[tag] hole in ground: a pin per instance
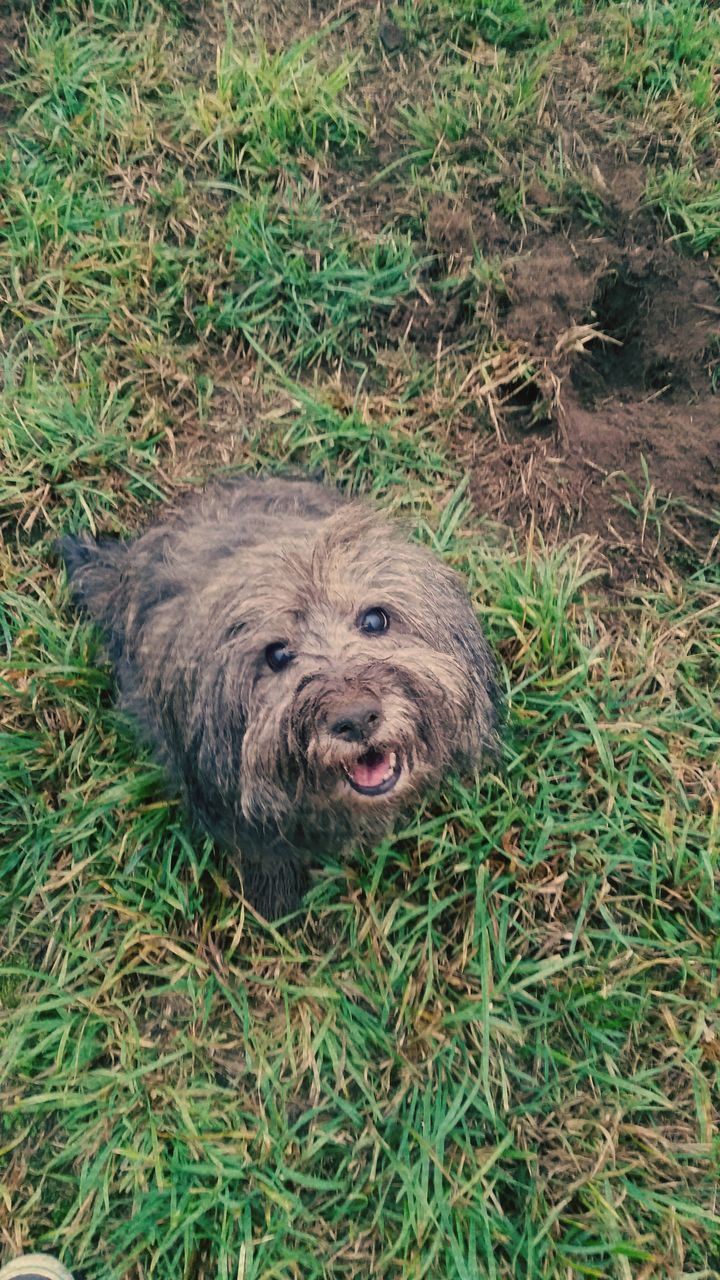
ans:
(527, 406)
(620, 309)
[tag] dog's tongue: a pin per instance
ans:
(371, 769)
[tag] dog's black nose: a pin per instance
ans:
(356, 722)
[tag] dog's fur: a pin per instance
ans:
(264, 758)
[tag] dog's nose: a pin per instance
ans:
(356, 722)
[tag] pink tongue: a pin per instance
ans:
(370, 774)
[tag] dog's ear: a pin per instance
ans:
(94, 569)
(75, 550)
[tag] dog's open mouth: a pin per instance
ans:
(374, 773)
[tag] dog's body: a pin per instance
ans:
(302, 671)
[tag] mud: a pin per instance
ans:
(630, 334)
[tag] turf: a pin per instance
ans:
(491, 1047)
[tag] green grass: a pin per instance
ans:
(489, 1048)
(295, 281)
(665, 47)
(265, 108)
(690, 210)
(507, 24)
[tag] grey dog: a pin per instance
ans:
(303, 671)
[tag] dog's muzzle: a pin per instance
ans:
(375, 770)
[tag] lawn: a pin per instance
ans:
(461, 257)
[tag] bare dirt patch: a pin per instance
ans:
(626, 336)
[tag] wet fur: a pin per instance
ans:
(188, 610)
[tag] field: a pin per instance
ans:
(461, 257)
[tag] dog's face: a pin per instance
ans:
(352, 674)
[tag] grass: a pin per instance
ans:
(266, 108)
(489, 1048)
(666, 47)
(296, 283)
(692, 212)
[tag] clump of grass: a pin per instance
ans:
(69, 449)
(690, 205)
(484, 108)
(363, 454)
(509, 24)
(84, 83)
(295, 281)
(661, 61)
(71, 261)
(663, 48)
(269, 108)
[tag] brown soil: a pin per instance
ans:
(623, 339)
(605, 390)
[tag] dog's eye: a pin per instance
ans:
(278, 656)
(373, 621)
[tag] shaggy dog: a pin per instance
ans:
(302, 671)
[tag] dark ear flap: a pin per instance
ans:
(94, 571)
(75, 551)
